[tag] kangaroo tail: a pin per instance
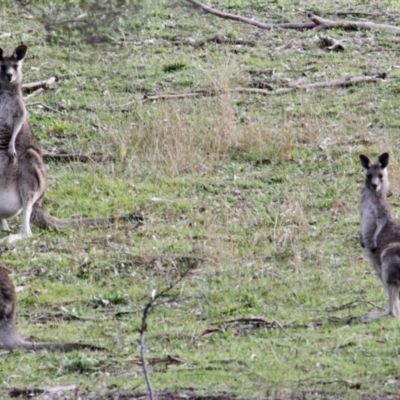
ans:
(42, 219)
(64, 347)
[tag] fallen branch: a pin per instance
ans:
(340, 82)
(159, 360)
(261, 323)
(38, 87)
(64, 156)
(226, 40)
(33, 392)
(255, 322)
(39, 104)
(261, 25)
(199, 93)
(33, 94)
(258, 321)
(309, 86)
(344, 13)
(321, 23)
(351, 304)
(39, 84)
(316, 22)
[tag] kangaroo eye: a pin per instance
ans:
(380, 176)
(15, 66)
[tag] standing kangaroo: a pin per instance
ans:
(22, 183)
(380, 233)
(23, 179)
(9, 335)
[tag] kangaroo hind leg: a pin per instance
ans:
(25, 230)
(390, 276)
(32, 185)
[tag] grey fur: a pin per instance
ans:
(23, 180)
(9, 335)
(380, 233)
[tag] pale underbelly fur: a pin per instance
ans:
(10, 198)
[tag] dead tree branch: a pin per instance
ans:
(309, 86)
(316, 22)
(160, 360)
(38, 87)
(64, 156)
(340, 82)
(39, 84)
(40, 104)
(261, 25)
(321, 23)
(33, 94)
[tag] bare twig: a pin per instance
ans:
(252, 321)
(344, 13)
(39, 84)
(33, 94)
(280, 326)
(160, 360)
(38, 87)
(40, 104)
(226, 40)
(199, 93)
(63, 156)
(146, 312)
(309, 86)
(351, 304)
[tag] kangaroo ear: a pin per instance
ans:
(20, 52)
(383, 160)
(1, 54)
(364, 161)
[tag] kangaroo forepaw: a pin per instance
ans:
(12, 154)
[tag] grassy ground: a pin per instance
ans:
(257, 195)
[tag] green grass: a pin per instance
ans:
(261, 192)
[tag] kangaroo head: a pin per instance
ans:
(376, 175)
(11, 67)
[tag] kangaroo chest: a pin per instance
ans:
(10, 198)
(369, 213)
(11, 110)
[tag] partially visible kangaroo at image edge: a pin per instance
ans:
(380, 233)
(9, 334)
(23, 178)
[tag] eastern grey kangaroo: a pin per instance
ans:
(380, 233)
(9, 335)
(22, 184)
(23, 181)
